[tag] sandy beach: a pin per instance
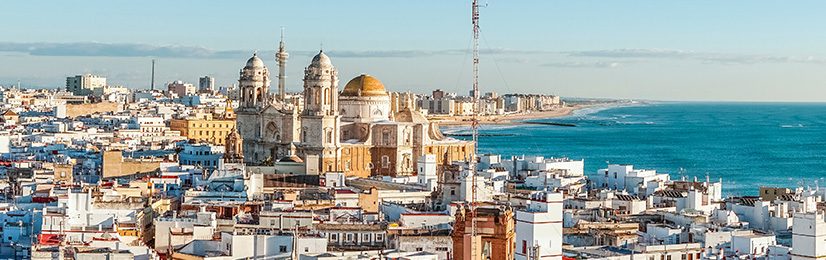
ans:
(505, 119)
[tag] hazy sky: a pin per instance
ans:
(666, 50)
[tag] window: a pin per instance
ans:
(379, 237)
(366, 237)
(282, 249)
(334, 237)
(441, 249)
(349, 237)
(385, 161)
(385, 137)
(419, 249)
(524, 247)
(306, 249)
(615, 175)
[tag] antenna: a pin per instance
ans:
(473, 202)
(152, 86)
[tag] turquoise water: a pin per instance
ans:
(748, 145)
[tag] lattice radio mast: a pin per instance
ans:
(475, 121)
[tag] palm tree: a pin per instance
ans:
(268, 161)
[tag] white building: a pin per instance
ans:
(625, 177)
(808, 236)
(203, 154)
(427, 175)
(753, 244)
(84, 85)
(539, 228)
(148, 126)
(524, 165)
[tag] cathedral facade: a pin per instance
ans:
(353, 130)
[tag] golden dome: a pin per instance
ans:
(364, 86)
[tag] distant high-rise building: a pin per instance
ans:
(180, 88)
(206, 83)
(472, 93)
(84, 85)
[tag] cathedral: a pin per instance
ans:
(351, 131)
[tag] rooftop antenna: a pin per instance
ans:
(281, 57)
(152, 86)
(475, 124)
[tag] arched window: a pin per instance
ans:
(385, 161)
(385, 137)
(327, 96)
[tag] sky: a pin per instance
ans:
(659, 50)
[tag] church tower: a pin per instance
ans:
(254, 89)
(320, 121)
(233, 151)
(254, 84)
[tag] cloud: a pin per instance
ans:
(97, 49)
(704, 57)
(383, 54)
(582, 64)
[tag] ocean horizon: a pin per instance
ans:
(746, 144)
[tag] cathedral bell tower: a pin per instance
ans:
(320, 121)
(254, 89)
(254, 85)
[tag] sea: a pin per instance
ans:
(746, 145)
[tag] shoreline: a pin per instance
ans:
(510, 119)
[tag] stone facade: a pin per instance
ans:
(353, 131)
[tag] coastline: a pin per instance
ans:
(509, 119)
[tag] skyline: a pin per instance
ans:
(663, 51)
